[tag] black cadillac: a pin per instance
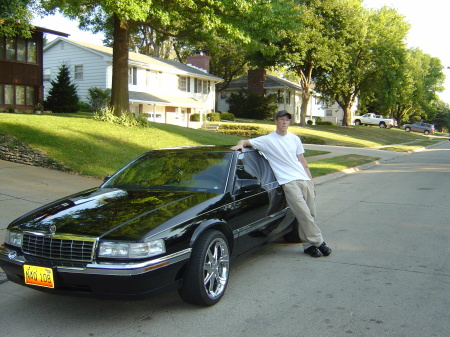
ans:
(169, 219)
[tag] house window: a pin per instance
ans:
(47, 74)
(29, 99)
(206, 87)
(32, 51)
(132, 75)
(9, 94)
(17, 94)
(279, 97)
(328, 113)
(288, 97)
(18, 49)
(10, 49)
(21, 50)
(78, 72)
(182, 83)
(201, 86)
(20, 94)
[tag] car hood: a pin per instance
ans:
(114, 213)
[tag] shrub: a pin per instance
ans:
(214, 117)
(246, 131)
(98, 98)
(227, 116)
(312, 140)
(126, 119)
(324, 122)
(309, 122)
(85, 107)
(195, 117)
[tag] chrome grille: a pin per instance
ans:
(59, 249)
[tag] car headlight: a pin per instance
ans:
(123, 250)
(13, 238)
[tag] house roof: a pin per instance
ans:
(151, 62)
(164, 99)
(50, 31)
(270, 82)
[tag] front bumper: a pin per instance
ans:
(104, 280)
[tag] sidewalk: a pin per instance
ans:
(336, 151)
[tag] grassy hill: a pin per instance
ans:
(95, 148)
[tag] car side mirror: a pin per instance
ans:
(248, 185)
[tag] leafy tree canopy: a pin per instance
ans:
(15, 18)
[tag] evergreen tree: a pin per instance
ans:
(62, 96)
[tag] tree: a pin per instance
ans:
(367, 38)
(62, 96)
(406, 87)
(15, 18)
(247, 104)
(240, 19)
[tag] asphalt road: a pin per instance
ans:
(388, 275)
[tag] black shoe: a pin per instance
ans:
(313, 251)
(324, 249)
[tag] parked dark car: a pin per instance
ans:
(169, 219)
(426, 128)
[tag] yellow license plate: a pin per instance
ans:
(38, 276)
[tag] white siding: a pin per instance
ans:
(93, 67)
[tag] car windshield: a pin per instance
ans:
(175, 170)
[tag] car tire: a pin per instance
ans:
(426, 132)
(207, 272)
(293, 236)
(407, 129)
(357, 122)
(382, 125)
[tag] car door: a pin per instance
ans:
(259, 199)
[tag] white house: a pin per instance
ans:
(165, 91)
(289, 96)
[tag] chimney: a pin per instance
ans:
(200, 60)
(256, 79)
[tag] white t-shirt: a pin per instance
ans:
(281, 152)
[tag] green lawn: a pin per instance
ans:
(95, 148)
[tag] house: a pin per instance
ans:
(163, 90)
(21, 70)
(289, 96)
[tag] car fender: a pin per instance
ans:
(218, 224)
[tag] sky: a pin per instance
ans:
(428, 19)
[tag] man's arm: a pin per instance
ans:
(241, 145)
(304, 163)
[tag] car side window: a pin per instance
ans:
(252, 165)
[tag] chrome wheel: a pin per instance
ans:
(206, 275)
(215, 268)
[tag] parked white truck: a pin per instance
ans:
(372, 119)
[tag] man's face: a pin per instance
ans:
(282, 123)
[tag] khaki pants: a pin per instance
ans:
(300, 198)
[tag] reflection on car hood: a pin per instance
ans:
(115, 213)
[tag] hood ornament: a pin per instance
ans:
(52, 229)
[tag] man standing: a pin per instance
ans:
(284, 151)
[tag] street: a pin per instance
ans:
(388, 275)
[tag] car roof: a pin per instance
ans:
(203, 148)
